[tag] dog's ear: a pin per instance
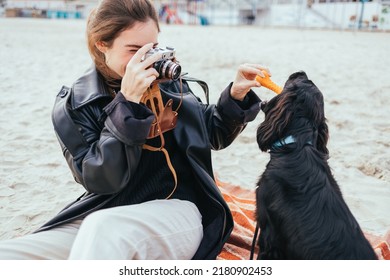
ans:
(278, 114)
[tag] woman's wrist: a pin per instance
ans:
(237, 95)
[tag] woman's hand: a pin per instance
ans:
(139, 75)
(245, 80)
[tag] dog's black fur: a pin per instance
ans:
(300, 209)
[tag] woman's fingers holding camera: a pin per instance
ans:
(140, 54)
(134, 84)
(143, 58)
(150, 58)
(151, 73)
(149, 80)
(141, 79)
(138, 74)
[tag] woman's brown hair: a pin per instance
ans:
(108, 20)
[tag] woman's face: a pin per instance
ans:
(128, 43)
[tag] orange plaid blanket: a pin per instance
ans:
(242, 204)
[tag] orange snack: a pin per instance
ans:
(268, 83)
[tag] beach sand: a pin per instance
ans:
(352, 69)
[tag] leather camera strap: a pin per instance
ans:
(165, 120)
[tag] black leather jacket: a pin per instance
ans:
(113, 131)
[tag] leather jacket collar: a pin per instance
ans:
(89, 87)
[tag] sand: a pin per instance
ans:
(351, 68)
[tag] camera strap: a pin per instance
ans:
(165, 119)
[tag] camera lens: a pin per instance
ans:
(168, 69)
(174, 71)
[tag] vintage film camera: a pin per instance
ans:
(166, 66)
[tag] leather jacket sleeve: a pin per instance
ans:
(115, 145)
(230, 117)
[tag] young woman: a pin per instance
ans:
(148, 196)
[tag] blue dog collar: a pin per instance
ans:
(288, 140)
(280, 143)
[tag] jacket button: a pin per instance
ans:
(63, 93)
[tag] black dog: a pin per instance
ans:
(300, 209)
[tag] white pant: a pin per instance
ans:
(159, 229)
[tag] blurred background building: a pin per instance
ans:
(72, 9)
(326, 14)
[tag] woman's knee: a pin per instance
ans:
(97, 222)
